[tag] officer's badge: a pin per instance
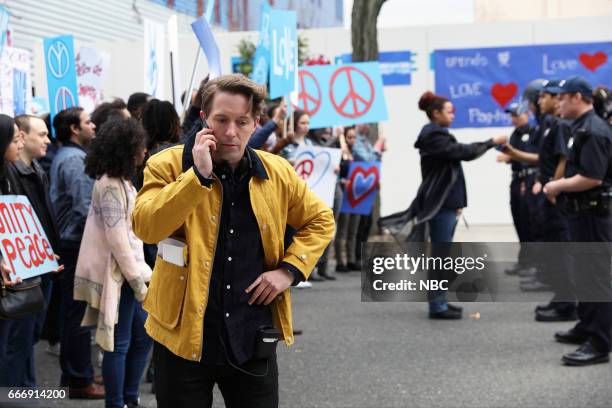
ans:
(525, 137)
(570, 143)
(546, 132)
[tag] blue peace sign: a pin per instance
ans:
(58, 59)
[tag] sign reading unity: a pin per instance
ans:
(317, 166)
(24, 244)
(481, 82)
(16, 82)
(61, 73)
(341, 94)
(361, 189)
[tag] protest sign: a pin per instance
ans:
(481, 82)
(91, 67)
(24, 244)
(154, 58)
(341, 94)
(16, 82)
(362, 187)
(317, 165)
(61, 73)
(283, 52)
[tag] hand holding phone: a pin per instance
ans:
(205, 144)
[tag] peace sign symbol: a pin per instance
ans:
(64, 99)
(355, 79)
(58, 60)
(304, 97)
(304, 168)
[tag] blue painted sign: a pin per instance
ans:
(202, 30)
(361, 189)
(23, 242)
(482, 82)
(261, 60)
(396, 67)
(283, 52)
(341, 94)
(4, 20)
(61, 73)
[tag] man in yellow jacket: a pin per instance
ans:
(221, 286)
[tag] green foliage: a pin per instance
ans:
(246, 49)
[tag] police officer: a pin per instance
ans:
(523, 132)
(529, 155)
(586, 186)
(552, 159)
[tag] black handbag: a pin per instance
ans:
(22, 299)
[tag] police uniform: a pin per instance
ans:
(590, 220)
(555, 227)
(518, 203)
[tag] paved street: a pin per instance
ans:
(355, 354)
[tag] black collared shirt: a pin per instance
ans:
(553, 146)
(589, 148)
(519, 139)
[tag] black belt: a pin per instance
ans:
(521, 174)
(601, 201)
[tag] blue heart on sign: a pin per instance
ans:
(321, 160)
(363, 185)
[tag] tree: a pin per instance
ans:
(364, 35)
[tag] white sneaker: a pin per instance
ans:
(304, 285)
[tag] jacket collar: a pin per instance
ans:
(257, 167)
(25, 170)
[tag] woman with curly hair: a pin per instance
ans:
(111, 271)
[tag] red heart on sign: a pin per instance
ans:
(503, 93)
(592, 62)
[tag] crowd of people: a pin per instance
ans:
(217, 180)
(83, 180)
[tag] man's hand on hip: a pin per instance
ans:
(205, 143)
(268, 285)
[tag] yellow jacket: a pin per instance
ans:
(173, 203)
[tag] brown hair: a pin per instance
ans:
(431, 102)
(234, 84)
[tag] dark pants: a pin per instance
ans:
(363, 233)
(520, 216)
(75, 348)
(17, 368)
(534, 228)
(123, 368)
(555, 270)
(181, 383)
(441, 230)
(51, 328)
(592, 271)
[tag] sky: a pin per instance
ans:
(401, 13)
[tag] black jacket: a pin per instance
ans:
(443, 184)
(32, 182)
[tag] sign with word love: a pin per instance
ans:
(283, 52)
(61, 73)
(91, 66)
(344, 94)
(317, 166)
(24, 244)
(16, 82)
(481, 82)
(361, 188)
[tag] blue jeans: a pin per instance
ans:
(17, 340)
(123, 368)
(442, 229)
